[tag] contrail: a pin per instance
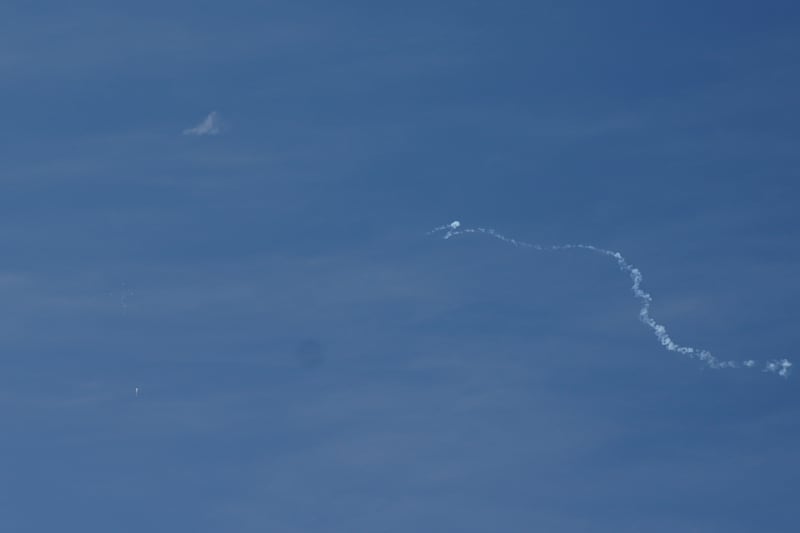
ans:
(779, 366)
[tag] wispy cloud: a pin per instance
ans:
(211, 125)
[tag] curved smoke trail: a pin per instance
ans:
(779, 366)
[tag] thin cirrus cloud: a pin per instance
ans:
(211, 125)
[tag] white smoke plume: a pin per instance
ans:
(211, 125)
(778, 366)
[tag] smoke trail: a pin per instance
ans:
(779, 366)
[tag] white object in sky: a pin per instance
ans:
(777, 366)
(211, 125)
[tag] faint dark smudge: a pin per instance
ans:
(309, 353)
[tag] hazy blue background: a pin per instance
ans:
(308, 359)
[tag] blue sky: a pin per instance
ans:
(307, 358)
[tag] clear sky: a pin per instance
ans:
(307, 358)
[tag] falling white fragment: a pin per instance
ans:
(454, 225)
(778, 366)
